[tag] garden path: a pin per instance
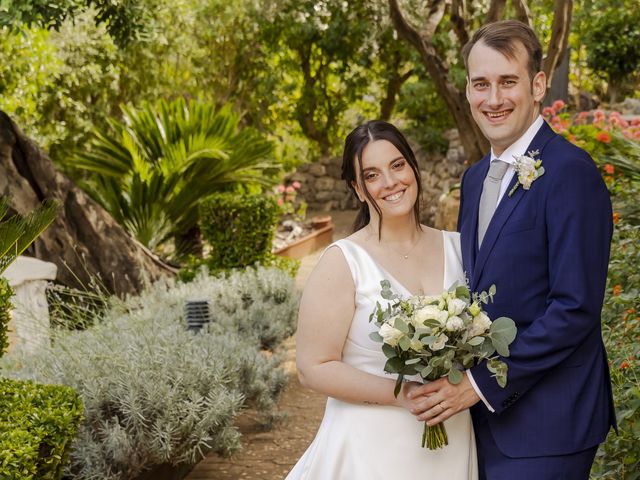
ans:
(269, 455)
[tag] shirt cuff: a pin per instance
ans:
(475, 387)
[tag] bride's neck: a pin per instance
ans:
(395, 230)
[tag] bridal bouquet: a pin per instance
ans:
(437, 335)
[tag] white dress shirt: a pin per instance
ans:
(517, 148)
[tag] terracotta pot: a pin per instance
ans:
(309, 243)
(320, 221)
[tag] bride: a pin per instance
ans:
(366, 432)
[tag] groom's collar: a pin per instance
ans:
(519, 147)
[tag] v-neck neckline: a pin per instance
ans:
(392, 277)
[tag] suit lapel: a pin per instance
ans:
(469, 229)
(505, 208)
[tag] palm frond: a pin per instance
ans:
(17, 233)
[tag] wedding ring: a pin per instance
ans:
(442, 409)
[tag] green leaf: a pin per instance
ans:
(475, 341)
(401, 325)
(398, 386)
(394, 365)
(404, 343)
(376, 337)
(455, 376)
(462, 292)
(413, 361)
(389, 351)
(504, 330)
(424, 373)
(501, 347)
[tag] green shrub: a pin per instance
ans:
(5, 307)
(238, 228)
(156, 393)
(37, 426)
(619, 457)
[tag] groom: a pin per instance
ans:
(545, 246)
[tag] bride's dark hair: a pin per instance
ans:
(354, 144)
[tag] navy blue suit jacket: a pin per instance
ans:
(547, 251)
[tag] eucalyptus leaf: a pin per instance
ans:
(424, 373)
(376, 337)
(504, 329)
(455, 376)
(413, 361)
(475, 341)
(462, 292)
(389, 351)
(401, 325)
(404, 343)
(501, 347)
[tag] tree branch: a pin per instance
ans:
(495, 10)
(522, 11)
(460, 22)
(560, 29)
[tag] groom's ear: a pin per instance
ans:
(466, 89)
(539, 86)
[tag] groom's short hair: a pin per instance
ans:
(502, 37)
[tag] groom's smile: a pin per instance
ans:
(504, 101)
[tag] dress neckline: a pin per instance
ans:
(392, 277)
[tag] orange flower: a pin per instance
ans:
(603, 137)
(609, 169)
(617, 289)
(624, 365)
(616, 217)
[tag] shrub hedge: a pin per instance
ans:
(5, 307)
(37, 426)
(238, 228)
(155, 393)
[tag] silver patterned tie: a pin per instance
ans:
(489, 197)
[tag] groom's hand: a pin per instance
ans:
(442, 400)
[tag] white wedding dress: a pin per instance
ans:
(370, 442)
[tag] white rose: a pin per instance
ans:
(439, 343)
(456, 306)
(481, 324)
(454, 324)
(527, 172)
(428, 312)
(389, 334)
(443, 316)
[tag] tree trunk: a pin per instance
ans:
(560, 29)
(83, 241)
(474, 142)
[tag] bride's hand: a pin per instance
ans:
(404, 400)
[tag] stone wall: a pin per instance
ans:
(323, 189)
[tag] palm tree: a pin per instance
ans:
(156, 165)
(17, 233)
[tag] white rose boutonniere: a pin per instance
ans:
(528, 169)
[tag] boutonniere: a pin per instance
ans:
(528, 169)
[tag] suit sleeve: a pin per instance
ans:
(578, 220)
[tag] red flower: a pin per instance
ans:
(624, 365)
(598, 115)
(616, 218)
(617, 289)
(558, 105)
(603, 137)
(548, 112)
(609, 169)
